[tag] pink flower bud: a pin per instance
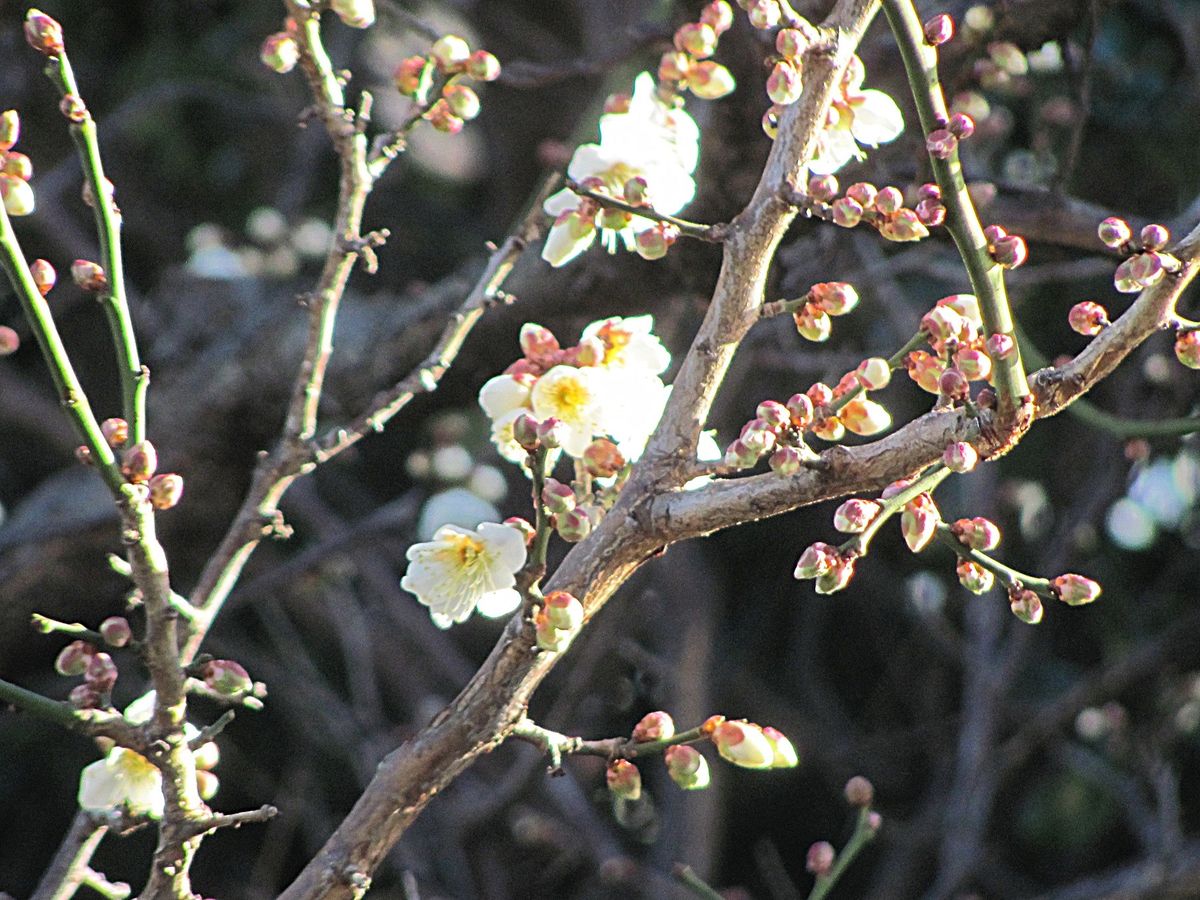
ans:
(139, 462)
(115, 431)
(89, 276)
(412, 76)
(939, 30)
(84, 696)
(823, 188)
(918, 524)
(800, 408)
(925, 369)
(525, 432)
(17, 165)
(564, 611)
(859, 792)
(101, 673)
(443, 119)
(1145, 268)
(977, 533)
(10, 341)
(224, 676)
(10, 128)
(786, 756)
(1001, 346)
(696, 38)
(549, 638)
(524, 526)
(960, 457)
(847, 212)
(166, 490)
(786, 461)
(279, 52)
(961, 126)
(483, 66)
(624, 779)
(941, 143)
(764, 14)
(974, 577)
(573, 526)
(740, 455)
(1075, 590)
(889, 200)
(602, 459)
(820, 858)
(1087, 318)
(463, 101)
(636, 191)
(930, 213)
(43, 33)
(653, 243)
(710, 80)
(834, 297)
(853, 516)
(904, 226)
(816, 560)
(73, 108)
(743, 744)
(1026, 606)
(1155, 237)
(354, 13)
(863, 193)
(953, 385)
(538, 343)
(16, 195)
(813, 323)
(829, 428)
(73, 659)
(687, 767)
(865, 417)
(1187, 349)
(654, 726)
(44, 275)
(874, 373)
(116, 631)
(718, 15)
(1010, 251)
(451, 53)
(558, 497)
(784, 85)
(1114, 232)
(974, 364)
(837, 578)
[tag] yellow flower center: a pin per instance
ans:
(465, 550)
(569, 395)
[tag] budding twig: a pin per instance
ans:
(714, 234)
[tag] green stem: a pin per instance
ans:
(1007, 576)
(687, 877)
(52, 626)
(987, 278)
(863, 834)
(95, 722)
(895, 363)
(712, 233)
(134, 378)
(70, 391)
(861, 542)
(541, 517)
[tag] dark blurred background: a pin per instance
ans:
(1059, 761)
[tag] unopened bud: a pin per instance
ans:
(834, 297)
(859, 792)
(115, 431)
(718, 15)
(412, 76)
(1154, 237)
(874, 373)
(44, 275)
(10, 341)
(636, 191)
(558, 497)
(961, 126)
(43, 33)
(847, 212)
(865, 417)
(813, 323)
(73, 659)
(101, 673)
(227, 677)
(84, 696)
(573, 526)
(139, 462)
(1010, 251)
(1075, 590)
(654, 726)
(974, 577)
(764, 14)
(854, 515)
(786, 756)
(1088, 318)
(1026, 606)
(1001, 346)
(207, 784)
(10, 128)
(549, 638)
(279, 52)
(525, 432)
(889, 200)
(930, 213)
(1114, 232)
(823, 187)
(116, 631)
(904, 226)
(653, 243)
(743, 744)
(790, 43)
(354, 13)
(17, 164)
(820, 858)
(602, 459)
(918, 524)
(960, 457)
(463, 101)
(17, 195)
(73, 108)
(88, 275)
(451, 53)
(483, 66)
(697, 39)
(710, 80)
(941, 143)
(974, 364)
(816, 560)
(838, 576)
(687, 767)
(165, 490)
(443, 119)
(784, 85)
(528, 532)
(1187, 349)
(786, 461)
(939, 30)
(624, 779)
(977, 533)
(564, 611)
(800, 408)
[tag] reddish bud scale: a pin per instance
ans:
(624, 779)
(43, 33)
(654, 726)
(88, 276)
(938, 30)
(800, 408)
(166, 490)
(73, 108)
(1187, 349)
(44, 275)
(1075, 590)
(1088, 318)
(115, 431)
(974, 577)
(1026, 606)
(139, 462)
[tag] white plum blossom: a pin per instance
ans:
(857, 116)
(652, 140)
(504, 394)
(630, 343)
(461, 571)
(581, 399)
(123, 779)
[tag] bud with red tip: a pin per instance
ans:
(1001, 346)
(838, 576)
(829, 428)
(743, 744)
(88, 275)
(687, 767)
(822, 188)
(674, 66)
(918, 524)
(960, 457)
(1075, 590)
(115, 431)
(941, 143)
(10, 128)
(904, 225)
(227, 677)
(44, 275)
(1187, 349)
(938, 30)
(961, 126)
(820, 858)
(834, 297)
(653, 243)
(710, 80)
(443, 119)
(483, 66)
(73, 108)
(573, 526)
(602, 459)
(1025, 605)
(786, 756)
(977, 533)
(784, 84)
(847, 212)
(816, 560)
(865, 417)
(624, 779)
(564, 611)
(1154, 237)
(698, 39)
(17, 165)
(412, 76)
(116, 631)
(522, 525)
(354, 13)
(889, 200)
(853, 516)
(73, 659)
(1010, 251)
(139, 462)
(786, 461)
(975, 365)
(10, 341)
(800, 408)
(718, 15)
(654, 726)
(1088, 318)
(101, 673)
(558, 497)
(1114, 232)
(166, 490)
(84, 696)
(874, 373)
(43, 33)
(279, 52)
(813, 323)
(974, 577)
(930, 213)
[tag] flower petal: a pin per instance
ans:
(877, 118)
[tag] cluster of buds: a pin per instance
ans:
(557, 621)
(881, 208)
(651, 243)
(139, 465)
(1146, 263)
(860, 794)
(687, 67)
(981, 535)
(572, 518)
(1004, 63)
(1007, 250)
(16, 169)
(942, 141)
(954, 329)
(828, 565)
(750, 746)
(449, 64)
(823, 301)
(97, 667)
